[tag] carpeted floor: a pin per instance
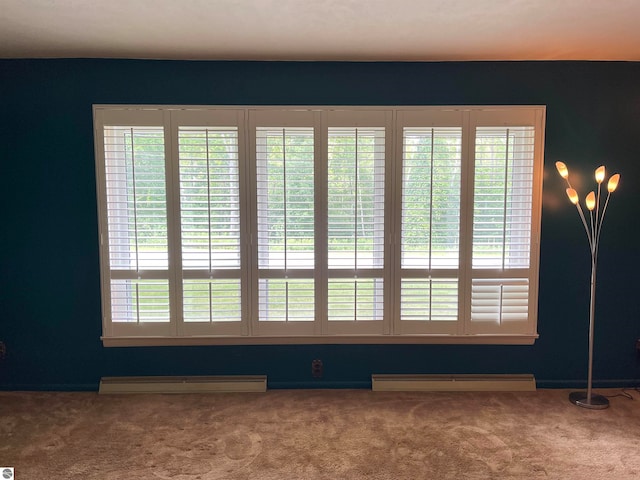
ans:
(318, 434)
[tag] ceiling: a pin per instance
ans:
(358, 30)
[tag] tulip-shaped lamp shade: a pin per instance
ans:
(613, 182)
(562, 170)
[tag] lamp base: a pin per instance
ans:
(597, 402)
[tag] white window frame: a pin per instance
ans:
(391, 329)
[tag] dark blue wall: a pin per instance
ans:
(49, 279)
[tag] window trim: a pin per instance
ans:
(122, 335)
(405, 339)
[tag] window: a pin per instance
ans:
(319, 224)
(209, 193)
(355, 231)
(429, 284)
(286, 234)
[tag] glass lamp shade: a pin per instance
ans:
(573, 195)
(562, 169)
(613, 182)
(600, 174)
(590, 201)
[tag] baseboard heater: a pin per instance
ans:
(188, 384)
(453, 383)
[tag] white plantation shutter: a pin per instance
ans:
(356, 164)
(139, 301)
(430, 227)
(136, 210)
(431, 169)
(286, 300)
(209, 198)
(429, 299)
(503, 189)
(285, 221)
(356, 197)
(136, 198)
(499, 301)
(502, 222)
(357, 299)
(212, 300)
(210, 223)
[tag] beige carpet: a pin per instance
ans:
(318, 434)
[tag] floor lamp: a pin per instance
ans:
(596, 216)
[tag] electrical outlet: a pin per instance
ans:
(317, 369)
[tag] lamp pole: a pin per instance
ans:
(588, 399)
(579, 398)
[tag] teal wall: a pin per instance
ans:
(49, 279)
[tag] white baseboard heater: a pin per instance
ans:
(188, 384)
(453, 383)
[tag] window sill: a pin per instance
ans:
(140, 341)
